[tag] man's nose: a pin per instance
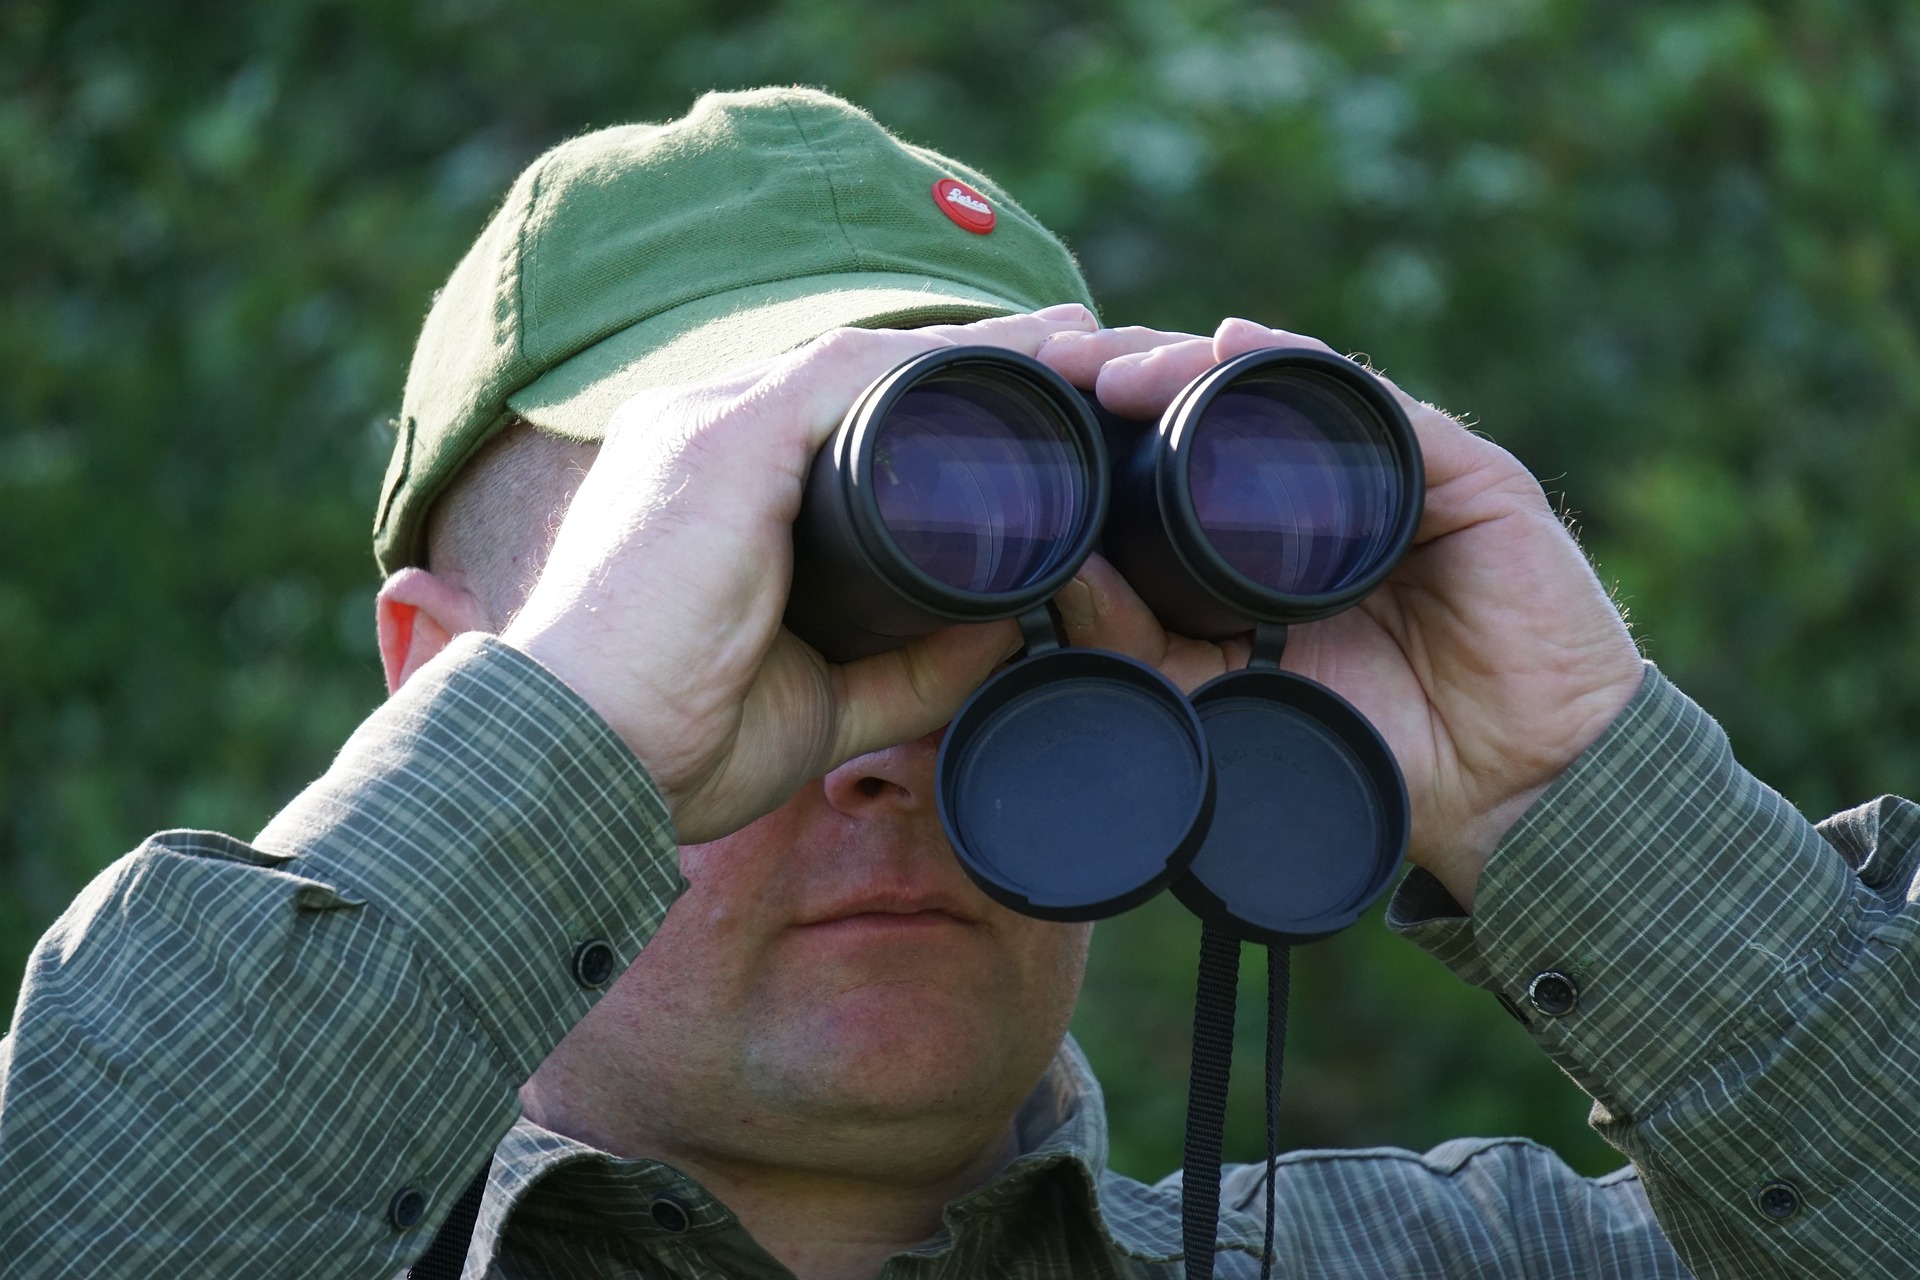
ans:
(898, 778)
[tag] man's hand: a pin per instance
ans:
(1489, 660)
(661, 601)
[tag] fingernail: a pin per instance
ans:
(1075, 603)
(1064, 311)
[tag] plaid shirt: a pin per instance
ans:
(237, 1060)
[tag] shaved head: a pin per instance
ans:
(492, 529)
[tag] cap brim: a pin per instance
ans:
(709, 337)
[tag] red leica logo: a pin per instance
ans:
(964, 205)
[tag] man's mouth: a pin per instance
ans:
(894, 911)
(883, 923)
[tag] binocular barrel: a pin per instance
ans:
(1279, 486)
(966, 485)
(970, 483)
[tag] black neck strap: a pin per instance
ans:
(1213, 1015)
(447, 1255)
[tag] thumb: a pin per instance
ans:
(906, 693)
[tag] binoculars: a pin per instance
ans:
(970, 483)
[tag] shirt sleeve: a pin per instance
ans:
(288, 1057)
(1734, 987)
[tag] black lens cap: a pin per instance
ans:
(1310, 817)
(1075, 784)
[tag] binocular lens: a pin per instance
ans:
(978, 482)
(966, 485)
(1294, 484)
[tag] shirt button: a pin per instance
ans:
(669, 1214)
(1778, 1199)
(1553, 993)
(408, 1206)
(593, 963)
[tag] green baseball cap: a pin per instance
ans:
(648, 255)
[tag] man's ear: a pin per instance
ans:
(419, 613)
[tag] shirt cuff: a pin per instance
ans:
(488, 809)
(1657, 910)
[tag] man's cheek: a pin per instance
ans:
(703, 944)
(728, 883)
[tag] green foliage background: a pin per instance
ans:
(1665, 252)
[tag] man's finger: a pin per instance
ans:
(813, 388)
(1078, 357)
(1142, 385)
(1025, 332)
(909, 692)
(1100, 611)
(1236, 337)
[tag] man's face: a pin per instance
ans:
(833, 984)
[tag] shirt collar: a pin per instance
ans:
(543, 1184)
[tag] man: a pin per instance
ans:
(822, 1052)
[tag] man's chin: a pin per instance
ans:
(892, 1049)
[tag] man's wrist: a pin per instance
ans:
(1658, 883)
(1459, 872)
(490, 812)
